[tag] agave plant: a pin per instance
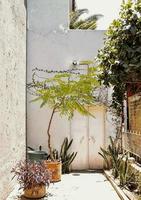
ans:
(65, 155)
(112, 155)
(76, 21)
(106, 156)
(121, 167)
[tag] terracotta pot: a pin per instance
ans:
(35, 192)
(55, 167)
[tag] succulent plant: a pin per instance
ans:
(65, 155)
(112, 157)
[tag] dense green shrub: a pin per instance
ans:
(120, 58)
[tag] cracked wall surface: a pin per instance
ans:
(12, 89)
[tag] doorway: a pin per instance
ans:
(88, 134)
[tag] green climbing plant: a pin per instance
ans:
(120, 58)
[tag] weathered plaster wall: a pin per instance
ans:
(12, 89)
(51, 45)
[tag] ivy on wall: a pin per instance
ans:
(120, 58)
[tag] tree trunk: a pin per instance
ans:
(49, 135)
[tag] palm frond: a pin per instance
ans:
(75, 16)
(76, 22)
(94, 17)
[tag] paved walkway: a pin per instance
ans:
(80, 186)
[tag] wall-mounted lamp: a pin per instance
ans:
(83, 62)
(75, 63)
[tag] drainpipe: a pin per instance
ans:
(104, 129)
(25, 4)
(73, 5)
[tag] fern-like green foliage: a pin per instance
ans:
(77, 23)
(66, 92)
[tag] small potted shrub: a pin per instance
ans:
(33, 178)
(64, 93)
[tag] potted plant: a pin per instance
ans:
(65, 93)
(33, 178)
(66, 156)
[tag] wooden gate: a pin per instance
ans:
(89, 135)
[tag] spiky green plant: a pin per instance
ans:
(121, 168)
(67, 157)
(106, 156)
(114, 150)
(76, 22)
(123, 171)
(127, 175)
(112, 154)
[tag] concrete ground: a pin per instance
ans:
(78, 186)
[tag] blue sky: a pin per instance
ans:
(109, 8)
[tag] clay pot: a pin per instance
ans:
(55, 167)
(35, 192)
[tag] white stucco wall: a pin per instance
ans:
(12, 89)
(51, 45)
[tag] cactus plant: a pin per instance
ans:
(123, 171)
(127, 176)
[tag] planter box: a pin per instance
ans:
(122, 193)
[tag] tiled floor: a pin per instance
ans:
(79, 186)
